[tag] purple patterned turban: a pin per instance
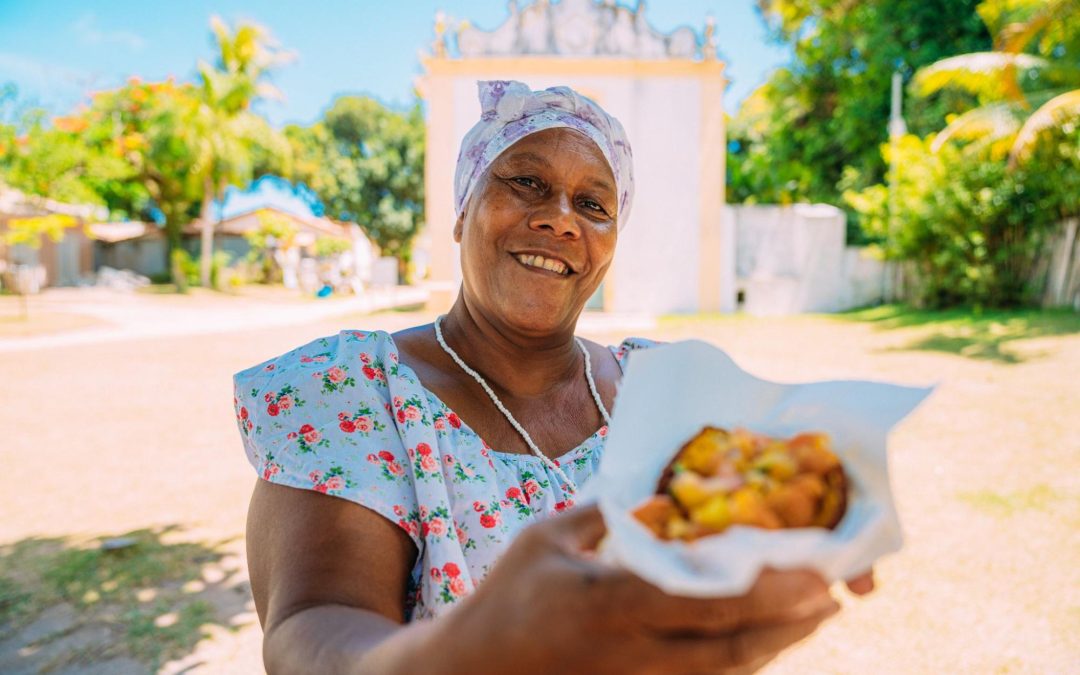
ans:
(512, 111)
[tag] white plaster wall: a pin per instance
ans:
(657, 267)
(865, 279)
(793, 259)
(656, 263)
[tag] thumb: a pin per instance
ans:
(580, 528)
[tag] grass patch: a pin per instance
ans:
(1005, 504)
(160, 289)
(977, 334)
(150, 593)
(14, 601)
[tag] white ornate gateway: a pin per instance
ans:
(667, 91)
(579, 28)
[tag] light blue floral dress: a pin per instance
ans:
(342, 416)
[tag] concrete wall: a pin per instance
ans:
(792, 259)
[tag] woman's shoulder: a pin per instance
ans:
(332, 362)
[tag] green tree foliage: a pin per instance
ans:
(1029, 84)
(33, 231)
(148, 126)
(366, 162)
(52, 159)
(275, 231)
(972, 228)
(974, 205)
(828, 110)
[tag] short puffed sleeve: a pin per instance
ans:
(318, 418)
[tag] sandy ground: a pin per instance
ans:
(109, 437)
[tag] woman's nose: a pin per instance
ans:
(557, 217)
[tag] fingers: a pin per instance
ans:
(776, 596)
(580, 528)
(749, 648)
(862, 584)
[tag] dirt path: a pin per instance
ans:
(106, 438)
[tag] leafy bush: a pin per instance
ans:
(185, 270)
(219, 269)
(328, 247)
(971, 228)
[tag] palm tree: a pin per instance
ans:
(1021, 94)
(229, 132)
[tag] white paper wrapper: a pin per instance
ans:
(669, 393)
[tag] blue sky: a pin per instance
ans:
(57, 50)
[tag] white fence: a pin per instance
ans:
(1062, 268)
(792, 259)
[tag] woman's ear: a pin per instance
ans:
(458, 227)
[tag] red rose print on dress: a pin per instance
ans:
(521, 498)
(391, 469)
(409, 412)
(362, 421)
(491, 516)
(516, 498)
(332, 481)
(270, 467)
(282, 401)
(425, 465)
(335, 379)
(243, 417)
(452, 586)
(309, 438)
(375, 370)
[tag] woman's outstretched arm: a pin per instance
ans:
(329, 579)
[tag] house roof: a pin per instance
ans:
(269, 192)
(243, 223)
(111, 233)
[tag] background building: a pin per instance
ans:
(667, 91)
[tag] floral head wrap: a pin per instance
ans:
(512, 111)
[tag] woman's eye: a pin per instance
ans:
(525, 181)
(592, 206)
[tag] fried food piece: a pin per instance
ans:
(722, 478)
(656, 512)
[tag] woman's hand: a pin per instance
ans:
(548, 606)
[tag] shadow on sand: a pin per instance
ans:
(123, 604)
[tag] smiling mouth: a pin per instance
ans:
(539, 262)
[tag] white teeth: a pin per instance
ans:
(543, 263)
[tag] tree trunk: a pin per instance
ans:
(206, 217)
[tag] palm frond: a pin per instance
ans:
(1052, 113)
(986, 74)
(990, 122)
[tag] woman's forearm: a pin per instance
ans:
(336, 639)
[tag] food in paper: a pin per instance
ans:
(722, 478)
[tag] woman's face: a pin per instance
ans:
(539, 232)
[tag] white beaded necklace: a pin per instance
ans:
(571, 487)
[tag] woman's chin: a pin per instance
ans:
(539, 319)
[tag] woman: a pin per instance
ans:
(402, 429)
